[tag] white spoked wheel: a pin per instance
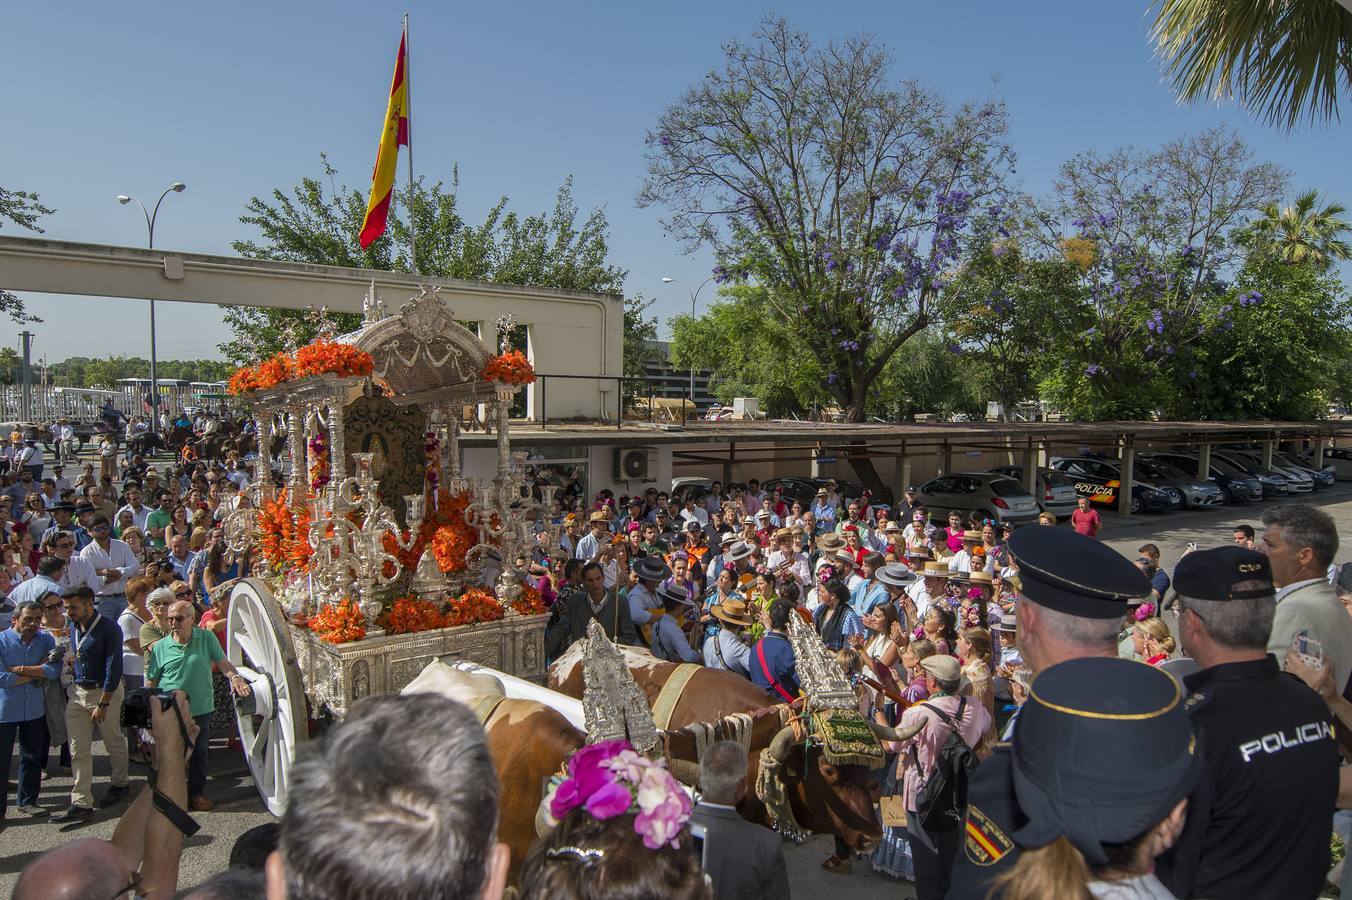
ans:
(272, 721)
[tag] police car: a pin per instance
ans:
(1101, 481)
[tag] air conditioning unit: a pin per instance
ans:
(635, 463)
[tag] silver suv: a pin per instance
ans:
(989, 495)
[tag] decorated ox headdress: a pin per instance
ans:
(612, 703)
(847, 738)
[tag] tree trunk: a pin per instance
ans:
(859, 459)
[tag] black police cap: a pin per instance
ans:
(1224, 573)
(1104, 751)
(1077, 575)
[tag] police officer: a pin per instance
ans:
(1258, 825)
(1103, 766)
(1073, 598)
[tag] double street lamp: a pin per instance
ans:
(666, 279)
(175, 188)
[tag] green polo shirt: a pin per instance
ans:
(157, 519)
(186, 667)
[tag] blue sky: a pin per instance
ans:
(238, 99)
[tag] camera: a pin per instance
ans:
(136, 706)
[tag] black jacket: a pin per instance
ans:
(576, 612)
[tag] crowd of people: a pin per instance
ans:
(106, 587)
(1116, 730)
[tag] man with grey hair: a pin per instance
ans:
(1300, 542)
(744, 860)
(1072, 601)
(1265, 741)
(400, 800)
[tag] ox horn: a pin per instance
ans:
(896, 735)
(780, 744)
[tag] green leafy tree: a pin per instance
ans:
(751, 353)
(1152, 234)
(1301, 234)
(318, 222)
(1284, 60)
(22, 209)
(844, 193)
(1273, 350)
(10, 361)
(930, 377)
(998, 310)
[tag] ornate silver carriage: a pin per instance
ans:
(370, 466)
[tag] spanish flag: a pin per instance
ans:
(393, 135)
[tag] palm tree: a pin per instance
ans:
(1303, 233)
(1282, 59)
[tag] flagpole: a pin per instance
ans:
(408, 113)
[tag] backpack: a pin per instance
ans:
(941, 802)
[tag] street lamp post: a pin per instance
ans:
(176, 188)
(666, 279)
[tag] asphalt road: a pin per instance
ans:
(238, 808)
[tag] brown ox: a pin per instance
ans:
(529, 742)
(826, 799)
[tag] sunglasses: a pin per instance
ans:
(182, 593)
(178, 618)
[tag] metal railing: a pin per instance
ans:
(629, 393)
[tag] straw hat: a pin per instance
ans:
(830, 542)
(934, 569)
(981, 577)
(598, 516)
(733, 611)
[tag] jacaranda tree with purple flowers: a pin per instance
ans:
(846, 195)
(1153, 236)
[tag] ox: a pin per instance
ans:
(825, 799)
(528, 741)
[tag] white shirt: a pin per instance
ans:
(79, 572)
(117, 556)
(695, 515)
(921, 596)
(130, 623)
(798, 566)
(137, 518)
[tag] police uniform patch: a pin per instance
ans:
(986, 844)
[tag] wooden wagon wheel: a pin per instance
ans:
(272, 722)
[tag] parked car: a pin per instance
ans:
(1196, 492)
(989, 495)
(804, 489)
(1055, 492)
(1239, 486)
(1100, 481)
(1298, 481)
(1274, 483)
(1339, 459)
(1322, 478)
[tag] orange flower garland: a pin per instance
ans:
(284, 540)
(511, 367)
(339, 623)
(530, 603)
(449, 546)
(323, 357)
(477, 605)
(409, 615)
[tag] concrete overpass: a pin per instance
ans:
(570, 332)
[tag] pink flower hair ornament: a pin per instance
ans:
(1144, 611)
(610, 779)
